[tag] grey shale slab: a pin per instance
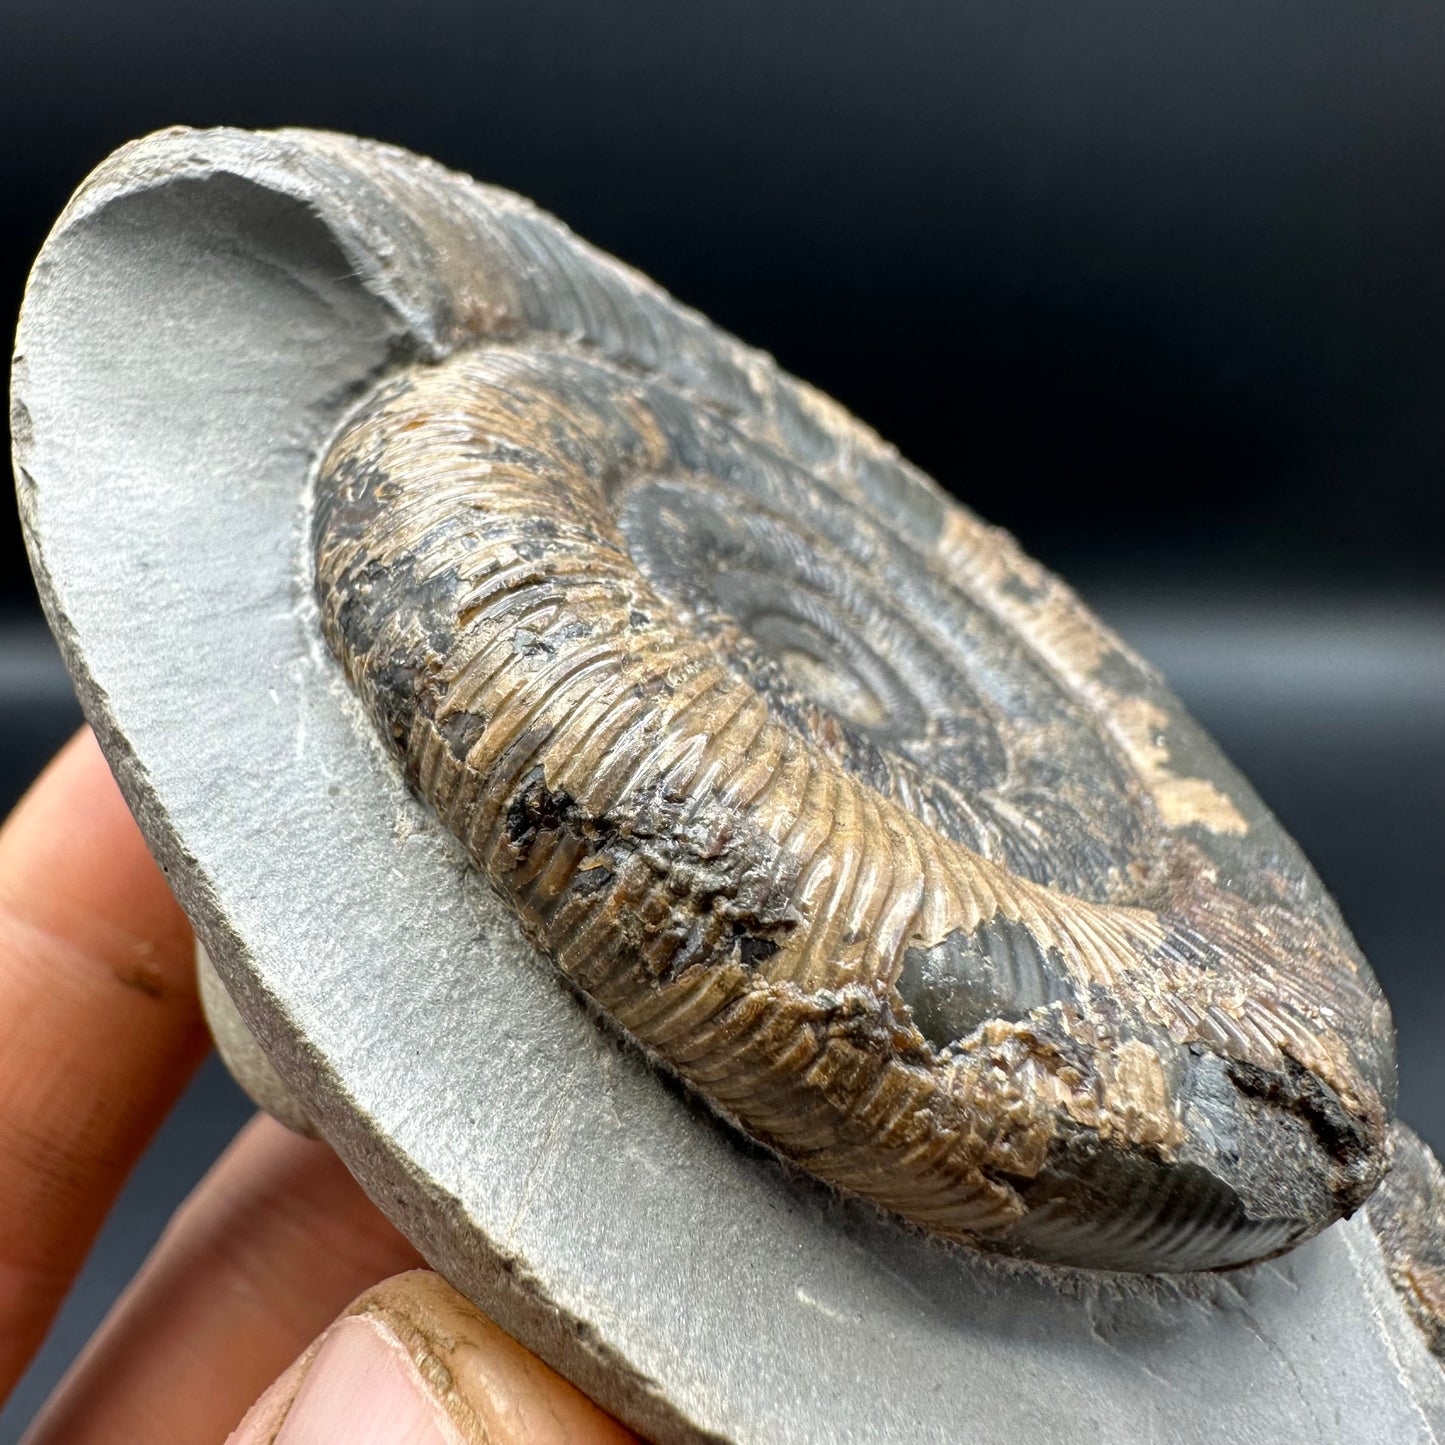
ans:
(195, 326)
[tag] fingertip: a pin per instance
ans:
(413, 1361)
(361, 1386)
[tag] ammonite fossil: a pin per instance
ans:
(849, 813)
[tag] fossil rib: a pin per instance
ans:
(845, 809)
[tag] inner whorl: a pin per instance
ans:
(878, 840)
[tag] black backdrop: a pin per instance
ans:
(1159, 286)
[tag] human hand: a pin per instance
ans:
(101, 1030)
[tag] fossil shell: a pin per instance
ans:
(848, 812)
(1407, 1214)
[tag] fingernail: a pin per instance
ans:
(363, 1388)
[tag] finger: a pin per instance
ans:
(272, 1243)
(413, 1363)
(101, 1028)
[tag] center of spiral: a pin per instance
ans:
(835, 690)
(881, 661)
(797, 600)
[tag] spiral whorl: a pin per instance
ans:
(883, 846)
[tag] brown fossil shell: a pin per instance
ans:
(1407, 1214)
(842, 807)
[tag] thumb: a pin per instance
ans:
(411, 1362)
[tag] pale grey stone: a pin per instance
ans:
(242, 1053)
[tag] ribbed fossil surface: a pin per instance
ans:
(1407, 1213)
(837, 803)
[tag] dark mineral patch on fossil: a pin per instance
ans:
(734, 908)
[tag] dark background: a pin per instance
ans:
(1161, 287)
